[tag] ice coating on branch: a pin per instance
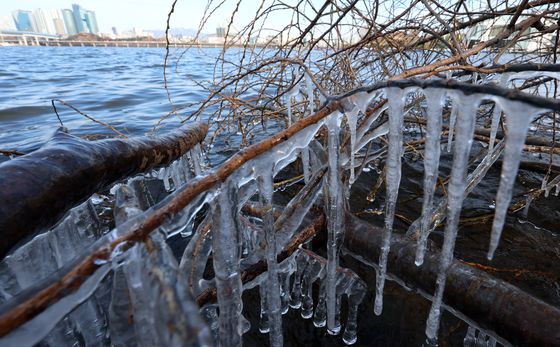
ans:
(335, 214)
(366, 124)
(42, 257)
(181, 223)
(32, 332)
(518, 117)
(431, 165)
(47, 252)
(196, 157)
(467, 106)
(395, 97)
(226, 244)
(273, 301)
(297, 209)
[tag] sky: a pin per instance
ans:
(144, 14)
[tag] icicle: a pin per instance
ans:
(296, 294)
(164, 175)
(210, 315)
(310, 93)
(120, 313)
(355, 296)
(431, 167)
(320, 315)
(306, 164)
(343, 282)
(289, 95)
(285, 291)
(264, 324)
(194, 259)
(518, 116)
(494, 127)
(452, 120)
(470, 338)
(226, 245)
(392, 179)
(289, 109)
(274, 302)
(335, 217)
(120, 322)
(352, 118)
(467, 106)
(196, 157)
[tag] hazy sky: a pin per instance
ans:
(144, 14)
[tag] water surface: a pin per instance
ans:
(120, 86)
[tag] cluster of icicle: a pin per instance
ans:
(229, 243)
(297, 274)
(518, 117)
(129, 300)
(148, 280)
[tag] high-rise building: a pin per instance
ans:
(23, 20)
(55, 25)
(85, 20)
(221, 31)
(59, 26)
(69, 22)
(6, 23)
(45, 21)
(91, 22)
(79, 18)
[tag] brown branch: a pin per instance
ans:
(318, 224)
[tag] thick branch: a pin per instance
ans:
(496, 305)
(37, 189)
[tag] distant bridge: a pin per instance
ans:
(24, 38)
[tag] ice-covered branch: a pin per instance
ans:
(37, 189)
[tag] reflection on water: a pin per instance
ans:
(120, 86)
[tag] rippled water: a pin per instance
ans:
(120, 86)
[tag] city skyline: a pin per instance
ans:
(56, 22)
(145, 14)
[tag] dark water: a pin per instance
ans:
(123, 87)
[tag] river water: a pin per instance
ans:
(123, 87)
